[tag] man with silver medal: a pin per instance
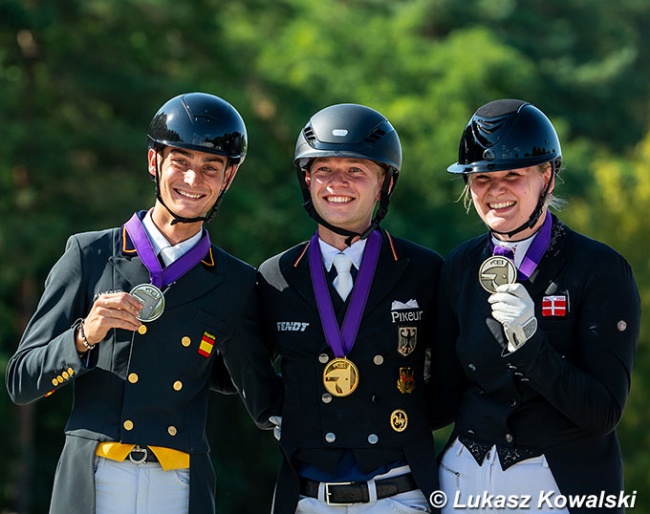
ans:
(349, 313)
(537, 332)
(139, 318)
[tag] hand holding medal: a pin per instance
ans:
(513, 307)
(511, 304)
(109, 311)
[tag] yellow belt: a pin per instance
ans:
(168, 458)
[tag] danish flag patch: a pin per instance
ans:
(554, 306)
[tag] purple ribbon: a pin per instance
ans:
(502, 251)
(342, 339)
(160, 276)
(535, 250)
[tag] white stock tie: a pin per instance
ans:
(343, 281)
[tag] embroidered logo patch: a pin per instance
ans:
(405, 312)
(291, 326)
(207, 343)
(407, 340)
(554, 306)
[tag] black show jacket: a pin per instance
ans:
(562, 392)
(317, 427)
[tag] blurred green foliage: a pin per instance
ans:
(80, 81)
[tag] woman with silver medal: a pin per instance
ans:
(537, 330)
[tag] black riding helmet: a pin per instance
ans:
(509, 134)
(352, 131)
(204, 123)
(506, 135)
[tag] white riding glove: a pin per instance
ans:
(513, 307)
(277, 429)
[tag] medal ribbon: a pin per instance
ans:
(342, 339)
(535, 250)
(160, 276)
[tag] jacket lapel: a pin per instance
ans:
(552, 262)
(197, 282)
(390, 269)
(126, 262)
(295, 269)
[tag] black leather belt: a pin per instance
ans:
(142, 454)
(347, 493)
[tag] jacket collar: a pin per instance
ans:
(128, 249)
(195, 283)
(390, 268)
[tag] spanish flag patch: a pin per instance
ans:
(207, 343)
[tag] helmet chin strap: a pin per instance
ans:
(534, 217)
(350, 235)
(180, 219)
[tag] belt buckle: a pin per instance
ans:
(138, 449)
(328, 493)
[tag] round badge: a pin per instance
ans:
(340, 377)
(496, 271)
(399, 420)
(153, 300)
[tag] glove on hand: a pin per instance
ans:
(277, 429)
(513, 307)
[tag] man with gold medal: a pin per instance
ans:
(350, 314)
(139, 318)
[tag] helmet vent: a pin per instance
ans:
(309, 134)
(375, 135)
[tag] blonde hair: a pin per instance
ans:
(551, 201)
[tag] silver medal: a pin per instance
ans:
(496, 271)
(153, 300)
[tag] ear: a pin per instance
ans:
(307, 178)
(549, 179)
(152, 161)
(390, 187)
(229, 176)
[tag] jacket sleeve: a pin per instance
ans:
(591, 386)
(47, 358)
(448, 380)
(250, 364)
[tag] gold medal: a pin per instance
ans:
(153, 300)
(496, 271)
(340, 377)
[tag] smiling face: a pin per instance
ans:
(505, 199)
(344, 192)
(189, 183)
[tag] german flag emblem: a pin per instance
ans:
(207, 343)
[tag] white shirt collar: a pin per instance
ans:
(519, 248)
(355, 252)
(160, 244)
